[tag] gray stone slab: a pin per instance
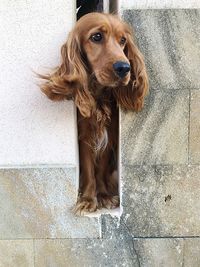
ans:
(85, 252)
(192, 252)
(194, 147)
(36, 203)
(170, 42)
(110, 252)
(160, 252)
(16, 253)
(158, 201)
(155, 4)
(158, 134)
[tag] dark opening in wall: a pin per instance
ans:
(88, 6)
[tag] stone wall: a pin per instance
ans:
(160, 158)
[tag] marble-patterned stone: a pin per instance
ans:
(159, 252)
(158, 201)
(155, 4)
(36, 203)
(170, 42)
(109, 252)
(194, 147)
(16, 253)
(85, 252)
(158, 134)
(192, 252)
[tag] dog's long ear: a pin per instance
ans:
(70, 79)
(132, 96)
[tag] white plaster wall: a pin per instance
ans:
(145, 4)
(33, 130)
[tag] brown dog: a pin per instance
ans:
(101, 68)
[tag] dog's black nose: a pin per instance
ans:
(121, 68)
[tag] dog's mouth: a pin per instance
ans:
(110, 79)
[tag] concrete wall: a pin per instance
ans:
(34, 131)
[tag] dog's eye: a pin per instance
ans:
(97, 37)
(123, 41)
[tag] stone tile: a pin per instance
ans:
(158, 134)
(109, 252)
(155, 4)
(36, 203)
(169, 40)
(16, 253)
(158, 201)
(159, 252)
(195, 127)
(85, 252)
(192, 252)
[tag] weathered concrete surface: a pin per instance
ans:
(169, 40)
(37, 203)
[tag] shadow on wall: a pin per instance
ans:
(88, 6)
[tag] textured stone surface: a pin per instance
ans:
(195, 127)
(159, 252)
(154, 4)
(160, 191)
(192, 252)
(16, 253)
(112, 252)
(169, 40)
(34, 130)
(158, 134)
(158, 201)
(37, 204)
(85, 252)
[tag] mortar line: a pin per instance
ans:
(97, 238)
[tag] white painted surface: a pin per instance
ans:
(33, 130)
(145, 4)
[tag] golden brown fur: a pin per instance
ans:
(86, 76)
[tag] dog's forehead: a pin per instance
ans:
(97, 21)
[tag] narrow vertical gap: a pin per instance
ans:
(84, 7)
(87, 6)
(113, 6)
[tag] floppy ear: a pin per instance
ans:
(70, 79)
(132, 96)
